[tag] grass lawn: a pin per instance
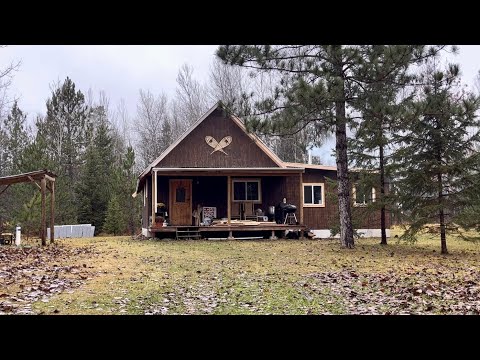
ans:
(118, 275)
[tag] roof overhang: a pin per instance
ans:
(310, 166)
(26, 177)
(256, 171)
(229, 171)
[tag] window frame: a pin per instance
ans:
(241, 180)
(362, 204)
(145, 193)
(312, 185)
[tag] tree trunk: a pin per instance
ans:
(382, 195)
(443, 235)
(346, 227)
(344, 206)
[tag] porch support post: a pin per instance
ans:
(273, 237)
(154, 195)
(43, 188)
(52, 211)
(301, 199)
(230, 236)
(229, 200)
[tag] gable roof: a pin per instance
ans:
(281, 164)
(234, 118)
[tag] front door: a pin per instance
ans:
(181, 202)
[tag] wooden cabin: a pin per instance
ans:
(217, 170)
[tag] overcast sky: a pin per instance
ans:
(122, 70)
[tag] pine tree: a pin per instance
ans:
(318, 87)
(16, 139)
(380, 106)
(113, 220)
(437, 162)
(66, 130)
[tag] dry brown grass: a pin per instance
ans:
(271, 277)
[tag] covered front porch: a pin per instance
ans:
(238, 202)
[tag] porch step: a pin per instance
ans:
(188, 232)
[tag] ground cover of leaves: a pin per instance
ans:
(120, 275)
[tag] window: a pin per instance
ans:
(313, 195)
(180, 195)
(246, 190)
(363, 194)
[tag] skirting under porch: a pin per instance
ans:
(270, 231)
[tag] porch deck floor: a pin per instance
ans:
(243, 228)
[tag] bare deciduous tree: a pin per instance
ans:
(122, 121)
(151, 114)
(6, 77)
(477, 82)
(191, 100)
(226, 83)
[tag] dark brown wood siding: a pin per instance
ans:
(324, 217)
(193, 151)
(272, 191)
(212, 191)
(321, 217)
(162, 190)
(147, 208)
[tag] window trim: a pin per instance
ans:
(257, 180)
(312, 185)
(145, 192)
(364, 204)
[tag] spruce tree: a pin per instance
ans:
(130, 206)
(386, 91)
(96, 182)
(437, 163)
(113, 220)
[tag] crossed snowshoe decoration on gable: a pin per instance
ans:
(218, 146)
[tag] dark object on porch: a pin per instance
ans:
(285, 213)
(271, 213)
(161, 212)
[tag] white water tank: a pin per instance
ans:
(17, 235)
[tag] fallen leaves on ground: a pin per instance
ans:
(155, 277)
(412, 292)
(35, 274)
